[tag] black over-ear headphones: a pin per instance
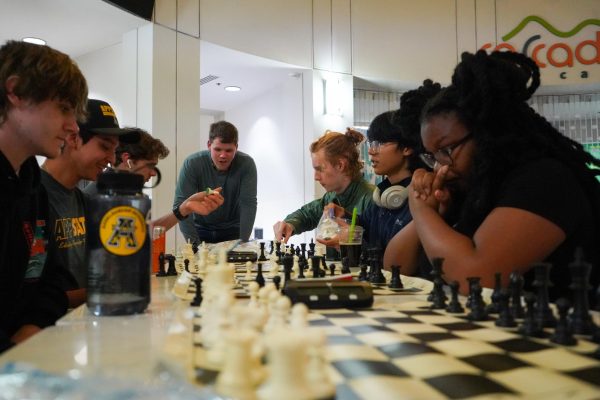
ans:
(389, 196)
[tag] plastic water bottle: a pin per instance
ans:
(118, 246)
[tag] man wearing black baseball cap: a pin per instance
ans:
(85, 155)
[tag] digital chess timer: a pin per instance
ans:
(320, 294)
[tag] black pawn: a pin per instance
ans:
(454, 306)
(277, 281)
(531, 326)
(262, 256)
(477, 312)
(562, 333)
(198, 296)
(516, 289)
(301, 271)
(161, 265)
(186, 265)
(345, 266)
(505, 318)
(172, 271)
(543, 312)
(332, 269)
(362, 276)
(437, 295)
(494, 306)
(260, 279)
(395, 281)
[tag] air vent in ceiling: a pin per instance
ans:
(207, 78)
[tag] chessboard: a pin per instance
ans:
(409, 350)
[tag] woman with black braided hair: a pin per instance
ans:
(508, 190)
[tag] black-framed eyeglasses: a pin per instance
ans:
(444, 155)
(375, 145)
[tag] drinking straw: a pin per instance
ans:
(352, 224)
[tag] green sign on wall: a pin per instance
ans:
(593, 149)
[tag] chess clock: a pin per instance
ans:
(330, 294)
(241, 256)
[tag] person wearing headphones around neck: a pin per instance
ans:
(394, 147)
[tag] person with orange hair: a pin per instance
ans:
(335, 160)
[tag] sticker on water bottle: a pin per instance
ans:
(123, 230)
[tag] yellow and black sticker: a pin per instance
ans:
(123, 230)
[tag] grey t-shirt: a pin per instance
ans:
(67, 231)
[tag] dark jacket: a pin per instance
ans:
(28, 289)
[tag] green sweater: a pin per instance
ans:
(358, 194)
(239, 190)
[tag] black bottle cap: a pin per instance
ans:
(120, 181)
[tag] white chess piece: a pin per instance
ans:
(299, 316)
(235, 380)
(248, 270)
(317, 376)
(279, 313)
(287, 366)
(253, 289)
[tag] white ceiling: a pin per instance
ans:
(77, 27)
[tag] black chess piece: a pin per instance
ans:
(438, 283)
(543, 313)
(260, 279)
(345, 266)
(302, 254)
(161, 265)
(376, 275)
(278, 252)
(323, 272)
(454, 306)
(395, 281)
(472, 280)
(316, 266)
(477, 312)
(301, 271)
(171, 271)
(197, 301)
(195, 246)
(505, 318)
(288, 265)
(332, 269)
(580, 319)
(363, 276)
(311, 246)
(516, 289)
(494, 306)
(562, 332)
(277, 281)
(186, 265)
(262, 256)
(271, 247)
(531, 326)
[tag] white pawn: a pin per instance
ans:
(287, 366)
(235, 380)
(299, 316)
(273, 268)
(248, 270)
(317, 376)
(279, 314)
(253, 289)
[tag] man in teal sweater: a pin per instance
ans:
(225, 167)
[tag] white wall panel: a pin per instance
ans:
(341, 36)
(404, 39)
(322, 40)
(188, 17)
(165, 13)
(280, 30)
